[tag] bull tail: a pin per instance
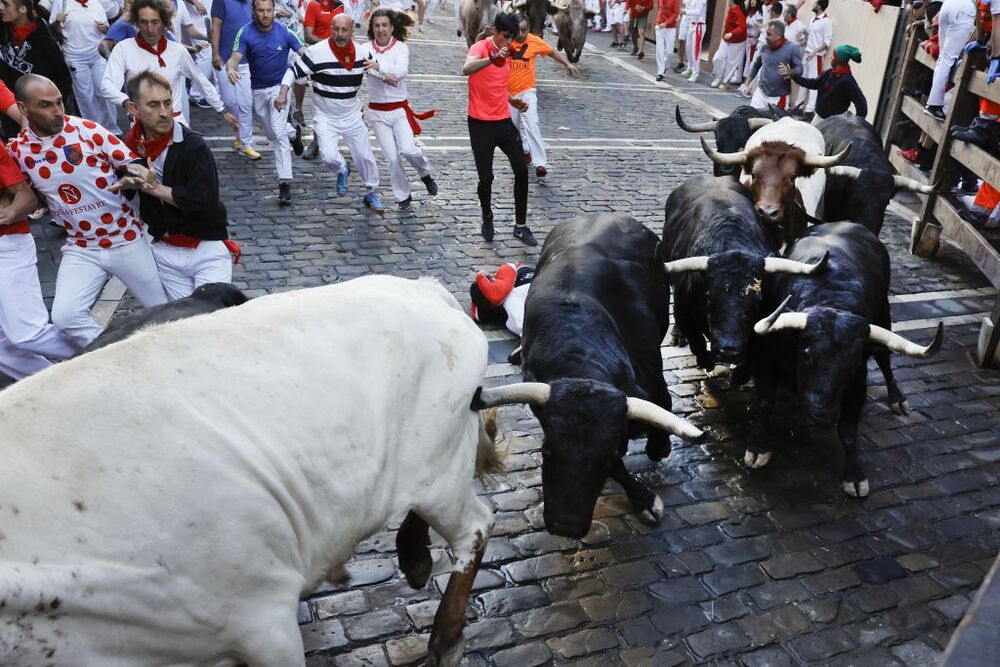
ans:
(489, 458)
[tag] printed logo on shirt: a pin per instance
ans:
(73, 154)
(69, 193)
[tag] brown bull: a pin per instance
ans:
(476, 15)
(571, 19)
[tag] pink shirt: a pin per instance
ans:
(488, 86)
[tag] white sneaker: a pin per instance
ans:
(716, 83)
(686, 73)
(693, 78)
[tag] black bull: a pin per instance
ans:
(594, 319)
(819, 338)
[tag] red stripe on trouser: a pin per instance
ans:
(698, 33)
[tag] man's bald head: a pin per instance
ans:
(40, 101)
(342, 30)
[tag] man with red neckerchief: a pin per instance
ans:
(73, 162)
(178, 192)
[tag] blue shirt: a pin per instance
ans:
(234, 14)
(266, 52)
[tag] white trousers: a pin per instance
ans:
(277, 128)
(88, 72)
(750, 46)
(810, 70)
(26, 337)
(329, 131)
(665, 38)
(82, 274)
(956, 21)
(761, 101)
(203, 59)
(395, 138)
(183, 270)
(432, 6)
(527, 124)
(727, 65)
(239, 101)
(695, 34)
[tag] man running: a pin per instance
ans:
(337, 71)
(488, 67)
(387, 61)
(521, 86)
(266, 44)
(72, 163)
(228, 17)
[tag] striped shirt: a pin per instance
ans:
(335, 88)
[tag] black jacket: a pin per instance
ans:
(40, 54)
(836, 93)
(189, 170)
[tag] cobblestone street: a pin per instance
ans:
(765, 567)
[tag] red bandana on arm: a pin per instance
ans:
(161, 46)
(345, 56)
(147, 148)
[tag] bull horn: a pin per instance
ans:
(764, 326)
(686, 264)
(696, 127)
(790, 266)
(559, 6)
(724, 159)
(846, 172)
(653, 415)
(897, 343)
(533, 393)
(519, 4)
(824, 161)
(912, 184)
(757, 123)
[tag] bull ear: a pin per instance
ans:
(897, 343)
(533, 393)
(790, 266)
(686, 264)
(653, 415)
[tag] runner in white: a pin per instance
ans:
(336, 70)
(818, 44)
(151, 50)
(694, 12)
(387, 60)
(72, 162)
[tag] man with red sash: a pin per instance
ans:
(387, 61)
(178, 192)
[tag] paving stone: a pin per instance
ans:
(304, 613)
(573, 587)
(704, 513)
(823, 645)
(374, 624)
(341, 604)
(774, 626)
(485, 579)
(653, 657)
(488, 633)
(557, 617)
(536, 544)
(640, 632)
(582, 643)
(407, 650)
(504, 601)
(679, 620)
(916, 562)
(616, 606)
(721, 610)
(541, 567)
(630, 575)
(679, 590)
(734, 552)
(366, 656)
(871, 599)
(323, 635)
(777, 593)
(830, 581)
(953, 607)
(771, 656)
(719, 638)
(725, 580)
(370, 571)
(822, 611)
(916, 653)
(421, 614)
(790, 565)
(526, 655)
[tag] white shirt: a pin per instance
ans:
(394, 61)
(694, 10)
(398, 5)
(796, 33)
(335, 89)
(820, 35)
(112, 7)
(127, 59)
(73, 171)
(80, 33)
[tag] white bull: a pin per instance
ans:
(168, 499)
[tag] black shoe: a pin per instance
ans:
(659, 77)
(458, 32)
(523, 233)
(284, 193)
(935, 111)
(297, 146)
(974, 218)
(202, 103)
(432, 186)
(635, 50)
(925, 158)
(641, 55)
(982, 133)
(515, 356)
(486, 229)
(405, 204)
(680, 67)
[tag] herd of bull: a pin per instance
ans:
(242, 454)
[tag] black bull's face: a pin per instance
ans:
(733, 286)
(586, 432)
(832, 349)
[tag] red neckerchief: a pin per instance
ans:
(346, 55)
(161, 46)
(837, 68)
(789, 21)
(22, 32)
(780, 43)
(379, 49)
(83, 3)
(147, 148)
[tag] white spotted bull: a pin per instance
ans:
(167, 500)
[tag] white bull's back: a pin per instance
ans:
(804, 136)
(164, 490)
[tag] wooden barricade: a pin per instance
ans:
(938, 216)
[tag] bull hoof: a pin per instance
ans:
(652, 516)
(756, 459)
(856, 489)
(450, 657)
(677, 339)
(900, 407)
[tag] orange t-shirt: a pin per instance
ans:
(522, 62)
(319, 17)
(488, 86)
